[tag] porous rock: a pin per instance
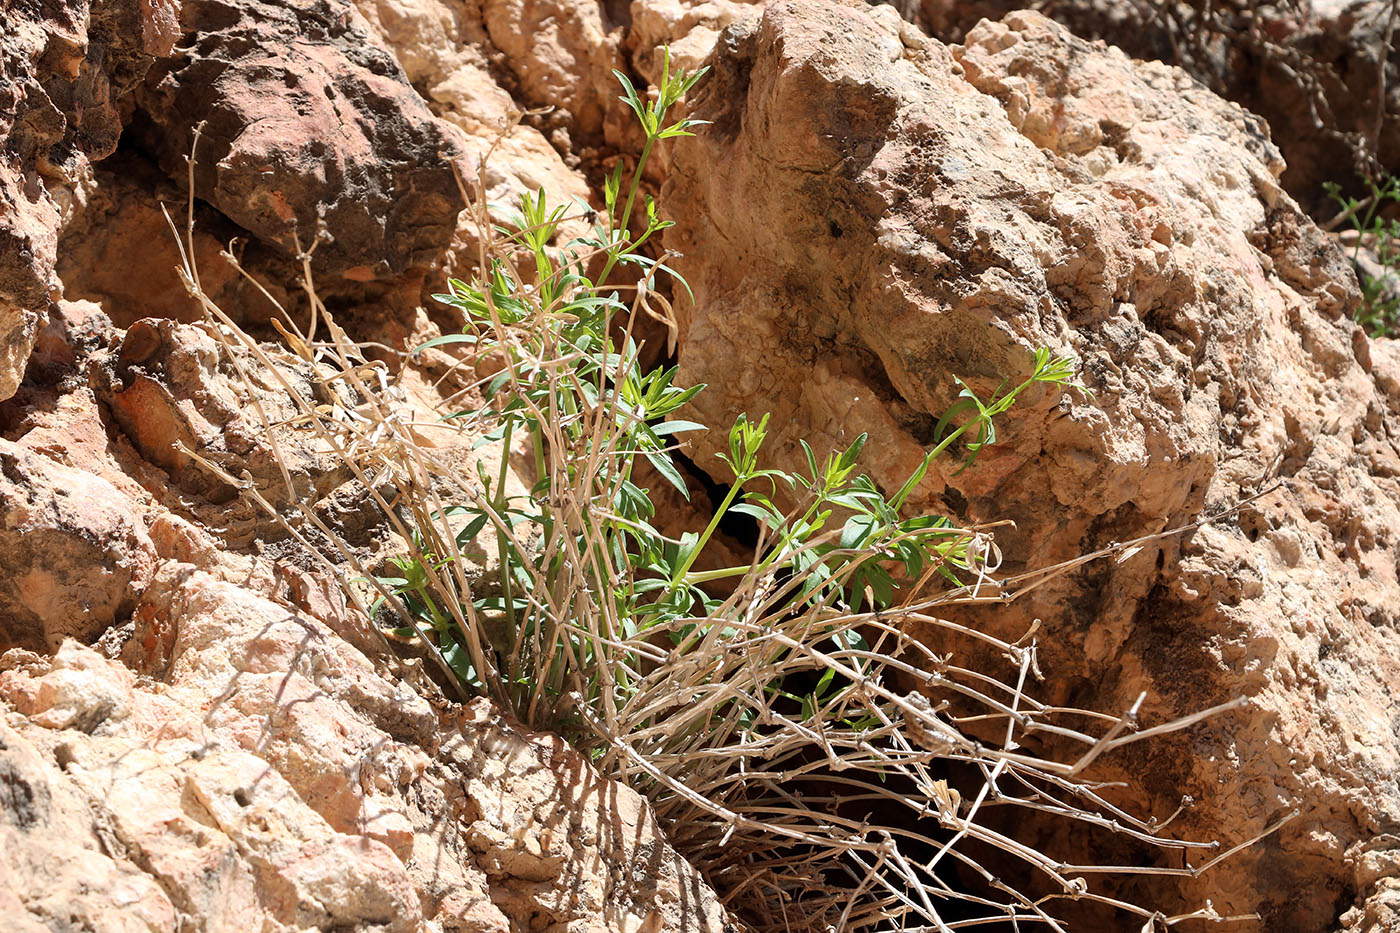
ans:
(246, 768)
(63, 68)
(74, 554)
(1321, 72)
(872, 213)
(181, 396)
(308, 127)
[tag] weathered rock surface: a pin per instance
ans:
(1312, 68)
(73, 552)
(247, 768)
(62, 68)
(306, 124)
(872, 213)
(120, 252)
(170, 385)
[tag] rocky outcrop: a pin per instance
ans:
(1321, 72)
(247, 768)
(872, 213)
(308, 127)
(196, 732)
(63, 67)
(73, 552)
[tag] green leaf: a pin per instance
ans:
(856, 531)
(676, 427)
(766, 514)
(667, 469)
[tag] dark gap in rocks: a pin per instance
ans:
(742, 529)
(617, 14)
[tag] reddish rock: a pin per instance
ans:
(307, 124)
(63, 68)
(74, 556)
(120, 252)
(170, 384)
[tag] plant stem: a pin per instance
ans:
(625, 220)
(704, 538)
(502, 548)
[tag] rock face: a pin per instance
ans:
(871, 213)
(72, 552)
(62, 68)
(246, 768)
(197, 733)
(306, 123)
(1315, 69)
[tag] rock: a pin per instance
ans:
(872, 213)
(444, 49)
(63, 68)
(55, 860)
(563, 54)
(74, 555)
(75, 330)
(688, 30)
(169, 383)
(307, 124)
(541, 813)
(250, 768)
(120, 251)
(1312, 69)
(218, 829)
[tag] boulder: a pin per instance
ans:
(1320, 71)
(74, 554)
(243, 768)
(871, 213)
(311, 135)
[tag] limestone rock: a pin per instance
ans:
(1312, 68)
(872, 213)
(63, 67)
(170, 384)
(74, 555)
(249, 769)
(307, 125)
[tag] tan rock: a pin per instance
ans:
(688, 30)
(73, 554)
(1313, 69)
(59, 864)
(271, 778)
(872, 213)
(562, 53)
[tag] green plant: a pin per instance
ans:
(795, 738)
(1379, 311)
